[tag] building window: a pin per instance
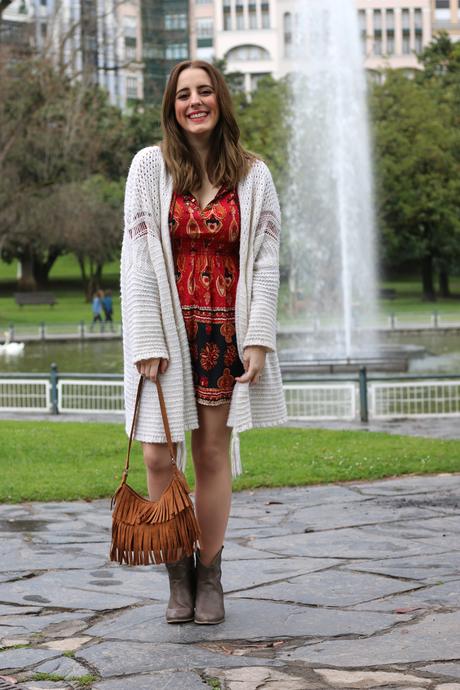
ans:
(390, 26)
(252, 16)
(362, 21)
(130, 36)
(287, 26)
(153, 52)
(204, 2)
(377, 32)
(239, 18)
(205, 27)
(418, 22)
(176, 51)
(390, 20)
(406, 20)
(44, 3)
(406, 32)
(265, 15)
(175, 21)
(227, 19)
(248, 52)
(131, 87)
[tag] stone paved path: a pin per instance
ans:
(341, 586)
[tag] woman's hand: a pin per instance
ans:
(253, 362)
(149, 367)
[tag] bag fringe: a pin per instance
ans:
(162, 531)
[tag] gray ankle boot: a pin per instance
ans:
(209, 601)
(182, 590)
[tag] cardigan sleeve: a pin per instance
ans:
(265, 284)
(139, 285)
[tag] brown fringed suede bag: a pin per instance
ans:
(145, 531)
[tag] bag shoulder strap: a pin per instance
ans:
(133, 425)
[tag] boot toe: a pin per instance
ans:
(210, 620)
(179, 615)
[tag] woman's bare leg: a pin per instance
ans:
(158, 464)
(213, 490)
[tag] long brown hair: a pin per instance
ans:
(227, 162)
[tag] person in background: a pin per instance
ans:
(96, 307)
(107, 305)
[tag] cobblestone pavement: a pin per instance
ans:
(353, 585)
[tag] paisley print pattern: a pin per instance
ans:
(205, 246)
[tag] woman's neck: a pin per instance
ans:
(201, 147)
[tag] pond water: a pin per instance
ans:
(96, 357)
(442, 355)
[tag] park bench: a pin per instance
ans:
(387, 293)
(34, 298)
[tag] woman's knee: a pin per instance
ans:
(210, 456)
(156, 457)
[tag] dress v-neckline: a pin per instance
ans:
(218, 193)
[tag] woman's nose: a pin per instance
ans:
(195, 98)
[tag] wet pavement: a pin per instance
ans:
(351, 585)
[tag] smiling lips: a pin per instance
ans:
(200, 115)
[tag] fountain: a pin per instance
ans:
(329, 210)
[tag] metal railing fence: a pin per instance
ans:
(348, 397)
(384, 322)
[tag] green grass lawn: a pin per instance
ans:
(71, 306)
(65, 283)
(69, 460)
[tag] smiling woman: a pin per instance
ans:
(196, 107)
(200, 278)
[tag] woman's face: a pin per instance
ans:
(196, 108)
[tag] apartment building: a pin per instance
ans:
(129, 52)
(394, 32)
(256, 36)
(130, 47)
(99, 40)
(446, 17)
(166, 41)
(202, 27)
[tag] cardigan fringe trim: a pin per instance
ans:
(235, 455)
(181, 459)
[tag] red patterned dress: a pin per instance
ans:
(205, 245)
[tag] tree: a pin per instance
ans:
(263, 121)
(418, 181)
(53, 132)
(93, 234)
(142, 128)
(441, 74)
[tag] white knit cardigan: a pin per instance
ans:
(153, 324)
